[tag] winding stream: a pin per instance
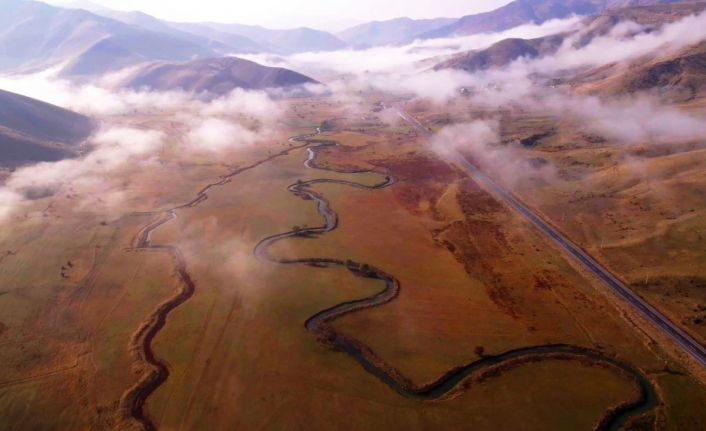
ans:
(154, 371)
(321, 324)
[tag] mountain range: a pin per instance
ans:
(35, 36)
(679, 76)
(85, 39)
(521, 12)
(391, 32)
(237, 38)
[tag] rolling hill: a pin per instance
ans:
(194, 33)
(36, 35)
(502, 53)
(120, 51)
(287, 41)
(506, 51)
(34, 131)
(395, 31)
(216, 76)
(514, 14)
(677, 77)
(521, 12)
(224, 38)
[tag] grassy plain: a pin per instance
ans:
(239, 356)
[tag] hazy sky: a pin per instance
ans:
(324, 14)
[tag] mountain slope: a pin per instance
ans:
(521, 12)
(35, 35)
(235, 43)
(216, 76)
(225, 38)
(506, 51)
(502, 53)
(677, 77)
(396, 31)
(33, 131)
(207, 37)
(514, 14)
(287, 41)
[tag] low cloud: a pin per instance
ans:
(626, 41)
(239, 119)
(389, 59)
(630, 120)
(9, 201)
(114, 148)
(89, 98)
(245, 118)
(251, 103)
(627, 119)
(216, 135)
(117, 145)
(402, 69)
(101, 99)
(481, 141)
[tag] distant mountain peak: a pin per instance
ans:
(521, 12)
(394, 31)
(217, 76)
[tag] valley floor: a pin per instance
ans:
(391, 271)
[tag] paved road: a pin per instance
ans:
(685, 341)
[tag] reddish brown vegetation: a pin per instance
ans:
(421, 179)
(479, 243)
(548, 279)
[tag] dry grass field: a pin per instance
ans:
(475, 282)
(638, 207)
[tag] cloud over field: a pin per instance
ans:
(100, 99)
(9, 202)
(215, 135)
(88, 98)
(388, 59)
(401, 70)
(115, 148)
(481, 141)
(245, 118)
(252, 103)
(630, 120)
(239, 119)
